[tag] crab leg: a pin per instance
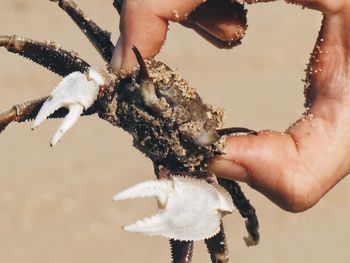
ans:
(100, 38)
(181, 251)
(29, 110)
(217, 247)
(245, 208)
(21, 112)
(47, 54)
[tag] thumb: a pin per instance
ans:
(253, 158)
(270, 163)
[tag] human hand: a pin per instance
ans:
(296, 168)
(145, 23)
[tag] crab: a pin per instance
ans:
(169, 123)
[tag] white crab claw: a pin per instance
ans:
(76, 92)
(158, 189)
(75, 110)
(189, 209)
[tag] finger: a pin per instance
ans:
(271, 164)
(211, 38)
(144, 24)
(72, 117)
(219, 21)
(296, 168)
(325, 6)
(142, 27)
(254, 159)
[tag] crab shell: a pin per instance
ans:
(165, 116)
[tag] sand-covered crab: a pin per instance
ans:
(169, 123)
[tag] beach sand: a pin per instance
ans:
(56, 203)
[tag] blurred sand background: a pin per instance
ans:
(55, 204)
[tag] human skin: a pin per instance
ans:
(295, 168)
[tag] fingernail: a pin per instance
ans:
(117, 57)
(123, 57)
(228, 169)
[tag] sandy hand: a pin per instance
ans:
(297, 167)
(144, 23)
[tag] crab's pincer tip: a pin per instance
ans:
(158, 189)
(53, 143)
(153, 225)
(35, 124)
(116, 198)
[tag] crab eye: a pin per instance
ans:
(148, 93)
(147, 88)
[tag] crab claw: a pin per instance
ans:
(76, 92)
(189, 209)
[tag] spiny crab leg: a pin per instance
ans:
(189, 209)
(76, 92)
